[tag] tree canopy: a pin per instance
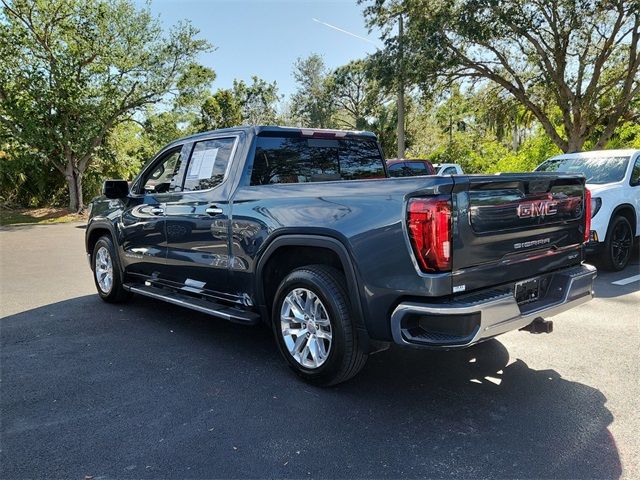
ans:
(92, 89)
(71, 70)
(312, 104)
(579, 57)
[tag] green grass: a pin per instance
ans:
(38, 216)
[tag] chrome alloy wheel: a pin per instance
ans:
(306, 328)
(104, 269)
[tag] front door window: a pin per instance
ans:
(165, 175)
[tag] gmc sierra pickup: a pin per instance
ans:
(301, 229)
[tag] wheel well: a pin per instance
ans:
(627, 212)
(288, 258)
(93, 238)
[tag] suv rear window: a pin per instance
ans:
(301, 160)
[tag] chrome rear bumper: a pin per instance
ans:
(476, 317)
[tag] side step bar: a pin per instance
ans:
(231, 314)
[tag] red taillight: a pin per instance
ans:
(587, 213)
(320, 133)
(429, 222)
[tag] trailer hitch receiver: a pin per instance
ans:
(539, 325)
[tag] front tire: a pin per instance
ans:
(618, 244)
(106, 273)
(313, 327)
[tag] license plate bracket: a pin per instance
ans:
(527, 291)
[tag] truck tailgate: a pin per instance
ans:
(514, 226)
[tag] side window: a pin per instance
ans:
(450, 171)
(417, 168)
(396, 170)
(208, 163)
(635, 173)
(165, 175)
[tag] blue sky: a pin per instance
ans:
(265, 37)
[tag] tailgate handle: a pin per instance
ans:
(156, 210)
(213, 210)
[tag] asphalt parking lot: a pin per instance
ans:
(149, 390)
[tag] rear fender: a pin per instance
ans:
(302, 240)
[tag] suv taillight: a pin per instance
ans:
(429, 225)
(587, 214)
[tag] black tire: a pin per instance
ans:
(116, 293)
(618, 245)
(345, 357)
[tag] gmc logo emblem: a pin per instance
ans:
(538, 208)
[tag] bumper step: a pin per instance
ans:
(231, 314)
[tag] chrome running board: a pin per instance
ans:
(231, 314)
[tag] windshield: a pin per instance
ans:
(598, 170)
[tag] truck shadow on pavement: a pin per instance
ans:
(148, 390)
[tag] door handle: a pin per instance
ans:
(156, 210)
(213, 210)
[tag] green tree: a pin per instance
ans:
(220, 110)
(193, 87)
(71, 70)
(158, 129)
(384, 126)
(312, 104)
(258, 101)
(356, 95)
(577, 57)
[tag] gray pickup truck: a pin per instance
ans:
(303, 230)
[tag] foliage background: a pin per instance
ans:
(450, 119)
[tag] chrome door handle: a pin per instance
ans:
(213, 211)
(156, 210)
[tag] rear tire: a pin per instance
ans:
(312, 324)
(618, 245)
(106, 273)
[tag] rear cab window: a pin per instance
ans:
(410, 168)
(297, 159)
(418, 168)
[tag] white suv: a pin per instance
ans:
(448, 169)
(613, 177)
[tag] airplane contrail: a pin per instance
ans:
(344, 31)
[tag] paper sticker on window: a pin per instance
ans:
(208, 162)
(202, 163)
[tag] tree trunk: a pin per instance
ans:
(74, 180)
(574, 143)
(400, 125)
(400, 101)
